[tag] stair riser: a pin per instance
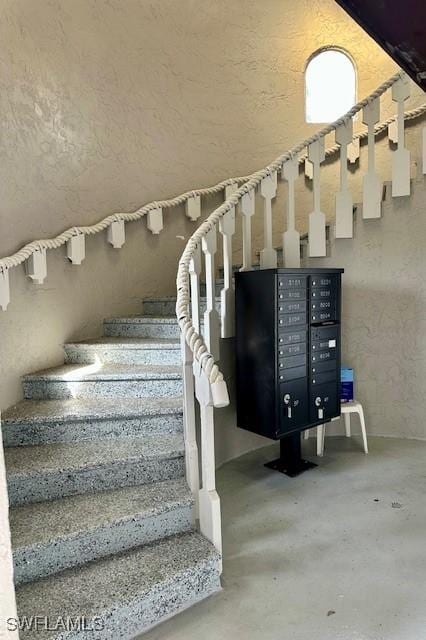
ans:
(84, 355)
(141, 330)
(48, 389)
(167, 308)
(40, 561)
(55, 484)
(54, 432)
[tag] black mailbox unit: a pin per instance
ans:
(288, 355)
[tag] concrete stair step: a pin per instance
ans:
(167, 306)
(35, 422)
(50, 537)
(113, 350)
(125, 594)
(109, 380)
(143, 327)
(48, 472)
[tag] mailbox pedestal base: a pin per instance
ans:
(290, 461)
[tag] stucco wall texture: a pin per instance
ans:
(108, 104)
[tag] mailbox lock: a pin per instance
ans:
(287, 400)
(318, 401)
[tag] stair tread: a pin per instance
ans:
(128, 343)
(105, 587)
(82, 372)
(78, 409)
(91, 454)
(143, 319)
(44, 522)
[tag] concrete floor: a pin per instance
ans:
(338, 553)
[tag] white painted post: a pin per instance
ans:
(211, 316)
(230, 189)
(291, 237)
(7, 588)
(317, 236)
(190, 437)
(36, 266)
(344, 202)
(76, 248)
(268, 190)
(116, 234)
(308, 169)
(424, 151)
(227, 295)
(401, 156)
(353, 150)
(210, 516)
(247, 210)
(393, 131)
(194, 274)
(193, 208)
(154, 220)
(372, 185)
(4, 289)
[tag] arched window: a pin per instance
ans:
(330, 86)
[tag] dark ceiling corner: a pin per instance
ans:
(398, 27)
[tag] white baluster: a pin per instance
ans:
(230, 189)
(7, 588)
(36, 266)
(195, 267)
(4, 289)
(155, 220)
(189, 421)
(209, 503)
(76, 248)
(268, 190)
(317, 236)
(193, 208)
(308, 169)
(353, 151)
(344, 202)
(116, 234)
(211, 316)
(424, 151)
(401, 156)
(247, 210)
(227, 295)
(393, 131)
(291, 237)
(372, 185)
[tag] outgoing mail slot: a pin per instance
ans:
(292, 349)
(323, 334)
(292, 294)
(291, 337)
(292, 282)
(292, 361)
(294, 306)
(321, 356)
(292, 319)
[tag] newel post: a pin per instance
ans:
(209, 501)
(7, 588)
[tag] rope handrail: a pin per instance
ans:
(54, 243)
(194, 340)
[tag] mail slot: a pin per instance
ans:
(323, 281)
(327, 376)
(292, 361)
(323, 334)
(291, 337)
(292, 349)
(292, 319)
(321, 305)
(292, 306)
(320, 367)
(292, 374)
(292, 282)
(323, 316)
(321, 356)
(292, 294)
(323, 293)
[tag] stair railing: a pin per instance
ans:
(203, 378)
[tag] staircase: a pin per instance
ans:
(101, 515)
